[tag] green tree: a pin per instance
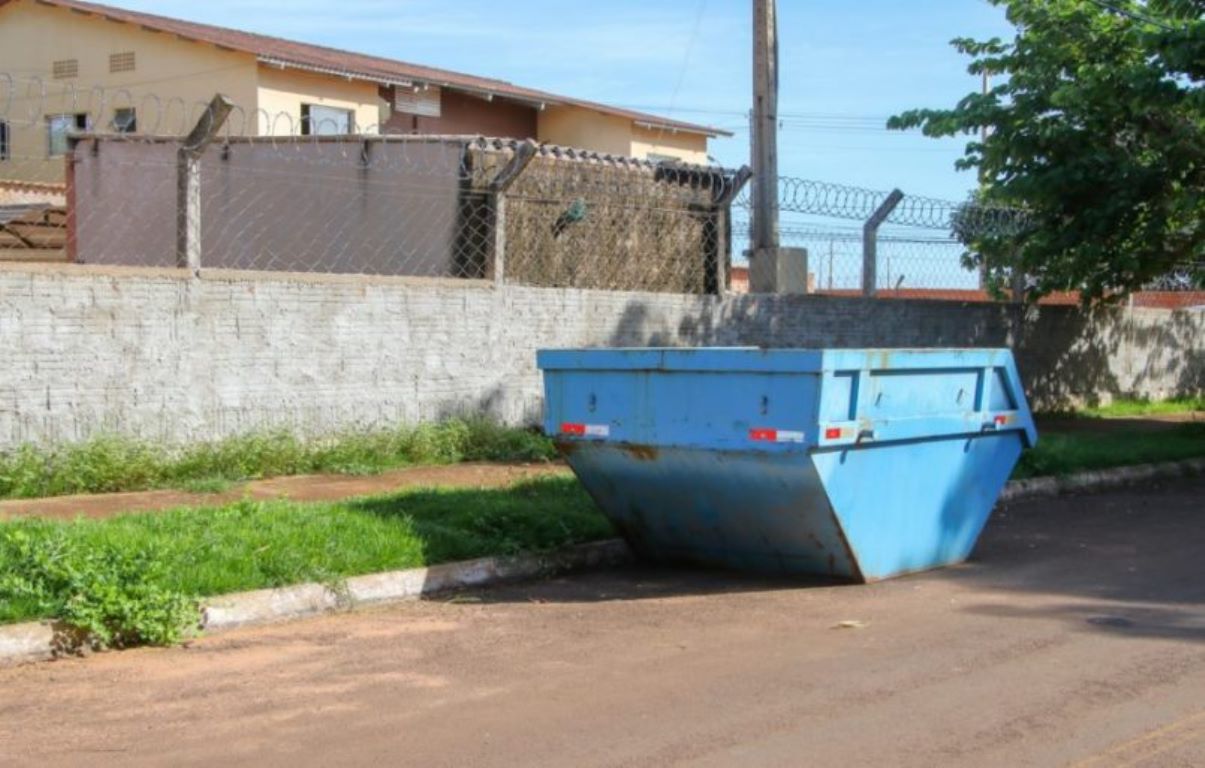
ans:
(1096, 128)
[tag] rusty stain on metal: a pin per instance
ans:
(640, 452)
(566, 447)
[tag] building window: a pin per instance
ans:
(125, 120)
(325, 121)
(424, 102)
(60, 126)
(655, 157)
(67, 68)
(5, 151)
(121, 62)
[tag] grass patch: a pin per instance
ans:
(138, 578)
(109, 464)
(1064, 453)
(1129, 408)
(1122, 408)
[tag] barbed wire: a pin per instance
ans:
(844, 201)
(333, 196)
(1186, 277)
(905, 261)
(280, 191)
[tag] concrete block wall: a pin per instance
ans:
(156, 354)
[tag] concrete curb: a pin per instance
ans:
(21, 643)
(38, 641)
(267, 605)
(26, 642)
(1099, 480)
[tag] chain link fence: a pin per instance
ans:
(273, 192)
(919, 250)
(167, 183)
(456, 207)
(904, 245)
(363, 203)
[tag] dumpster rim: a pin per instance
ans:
(769, 359)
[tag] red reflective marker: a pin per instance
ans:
(764, 435)
(585, 430)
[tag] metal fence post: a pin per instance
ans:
(870, 242)
(188, 182)
(722, 248)
(524, 153)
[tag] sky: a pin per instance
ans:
(845, 66)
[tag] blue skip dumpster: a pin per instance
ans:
(859, 464)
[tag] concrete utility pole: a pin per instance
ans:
(771, 269)
(765, 126)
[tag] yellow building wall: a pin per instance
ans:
(171, 80)
(585, 129)
(688, 147)
(281, 93)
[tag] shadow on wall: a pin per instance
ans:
(1192, 374)
(1067, 356)
(643, 325)
(501, 403)
(841, 322)
(495, 404)
(1072, 356)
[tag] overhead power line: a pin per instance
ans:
(840, 116)
(690, 47)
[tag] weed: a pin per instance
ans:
(136, 578)
(111, 594)
(109, 463)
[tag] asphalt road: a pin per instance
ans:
(1076, 637)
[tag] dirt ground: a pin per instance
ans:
(1075, 637)
(298, 488)
(336, 487)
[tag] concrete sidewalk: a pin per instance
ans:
(1078, 634)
